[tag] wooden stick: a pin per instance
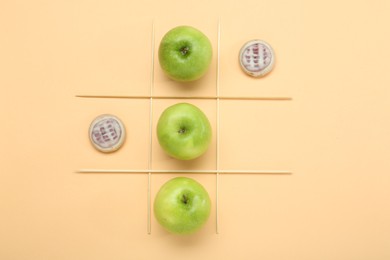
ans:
(188, 97)
(217, 130)
(149, 219)
(128, 171)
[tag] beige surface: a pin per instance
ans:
(332, 59)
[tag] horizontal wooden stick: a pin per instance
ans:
(185, 171)
(187, 97)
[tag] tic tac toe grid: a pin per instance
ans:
(217, 98)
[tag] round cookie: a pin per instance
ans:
(107, 133)
(257, 58)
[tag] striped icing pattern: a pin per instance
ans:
(256, 58)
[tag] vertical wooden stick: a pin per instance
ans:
(217, 134)
(150, 136)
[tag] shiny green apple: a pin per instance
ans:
(182, 205)
(185, 53)
(184, 131)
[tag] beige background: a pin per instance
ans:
(332, 59)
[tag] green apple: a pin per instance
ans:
(183, 131)
(182, 205)
(185, 53)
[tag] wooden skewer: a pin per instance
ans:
(188, 97)
(151, 133)
(217, 131)
(128, 171)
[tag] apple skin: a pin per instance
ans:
(182, 205)
(183, 131)
(185, 53)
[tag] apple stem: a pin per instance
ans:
(182, 131)
(185, 199)
(184, 50)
